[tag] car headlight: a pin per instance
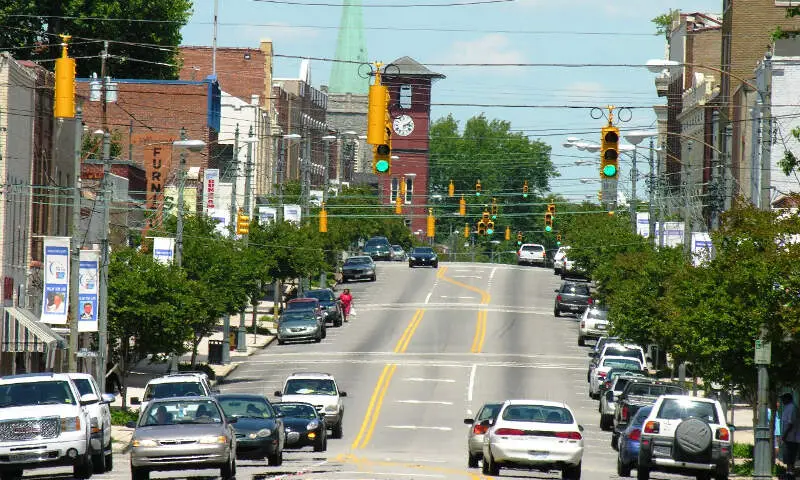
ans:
(332, 408)
(433, 257)
(369, 270)
(211, 440)
(412, 258)
(264, 432)
(70, 424)
(144, 443)
(312, 425)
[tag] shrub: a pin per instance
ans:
(120, 416)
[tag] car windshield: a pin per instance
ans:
(296, 410)
(377, 242)
(597, 314)
(630, 363)
(575, 289)
(422, 251)
(654, 389)
(357, 261)
(25, 394)
(643, 413)
(613, 351)
(310, 386)
(397, 248)
(301, 316)
(489, 411)
(84, 385)
(678, 409)
(321, 295)
(301, 306)
(250, 407)
(532, 248)
(174, 389)
(181, 412)
(537, 413)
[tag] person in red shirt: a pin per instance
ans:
(346, 300)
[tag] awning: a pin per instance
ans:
(23, 332)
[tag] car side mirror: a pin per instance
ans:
(342, 394)
(107, 398)
(556, 290)
(233, 419)
(131, 424)
(279, 415)
(590, 354)
(278, 393)
(486, 423)
(89, 399)
(580, 427)
(135, 401)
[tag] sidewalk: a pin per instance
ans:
(145, 371)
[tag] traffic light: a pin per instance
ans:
(478, 188)
(508, 233)
(466, 230)
(64, 106)
(548, 222)
(519, 238)
(462, 206)
(558, 239)
(481, 227)
(551, 208)
(609, 152)
(525, 189)
(323, 220)
(490, 228)
(379, 129)
(451, 189)
(242, 223)
(494, 209)
(398, 204)
(431, 224)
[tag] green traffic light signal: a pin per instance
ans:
(382, 166)
(524, 195)
(609, 170)
(548, 228)
(519, 243)
(558, 243)
(494, 217)
(490, 231)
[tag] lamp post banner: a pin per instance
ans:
(164, 249)
(56, 280)
(88, 290)
(643, 224)
(267, 215)
(673, 233)
(292, 213)
(210, 182)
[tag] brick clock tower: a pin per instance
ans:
(409, 84)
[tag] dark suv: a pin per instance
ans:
(331, 309)
(378, 248)
(572, 297)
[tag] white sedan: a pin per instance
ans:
(534, 435)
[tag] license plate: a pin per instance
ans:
(574, 308)
(538, 454)
(662, 451)
(21, 457)
(601, 327)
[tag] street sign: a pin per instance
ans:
(763, 354)
(86, 353)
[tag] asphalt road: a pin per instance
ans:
(426, 348)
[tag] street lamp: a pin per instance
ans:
(326, 179)
(241, 334)
(636, 138)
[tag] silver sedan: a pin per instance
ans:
(478, 430)
(183, 433)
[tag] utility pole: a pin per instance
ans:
(687, 214)
(102, 301)
(633, 202)
(181, 187)
(75, 247)
(650, 207)
(276, 296)
(235, 177)
(241, 338)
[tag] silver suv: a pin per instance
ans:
(320, 390)
(183, 384)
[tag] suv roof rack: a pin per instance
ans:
(28, 375)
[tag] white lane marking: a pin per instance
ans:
(466, 276)
(394, 474)
(471, 385)
(420, 379)
(416, 427)
(428, 298)
(425, 402)
(463, 298)
(491, 275)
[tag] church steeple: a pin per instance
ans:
(350, 47)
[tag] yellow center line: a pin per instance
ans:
(480, 332)
(375, 394)
(378, 405)
(480, 325)
(402, 344)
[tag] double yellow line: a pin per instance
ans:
(480, 326)
(376, 401)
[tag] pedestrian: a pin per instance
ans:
(113, 383)
(790, 433)
(346, 300)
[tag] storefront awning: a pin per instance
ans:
(23, 332)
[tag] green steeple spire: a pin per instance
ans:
(350, 46)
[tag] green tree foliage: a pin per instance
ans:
(663, 24)
(143, 34)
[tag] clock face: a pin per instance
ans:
(403, 125)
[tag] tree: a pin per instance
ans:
(143, 34)
(663, 24)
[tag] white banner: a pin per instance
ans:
(163, 249)
(292, 213)
(702, 248)
(643, 224)
(56, 280)
(673, 233)
(88, 290)
(210, 181)
(267, 215)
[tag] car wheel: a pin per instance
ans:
(336, 431)
(99, 462)
(324, 332)
(489, 466)
(321, 444)
(11, 475)
(109, 460)
(615, 441)
(703, 476)
(606, 421)
(721, 473)
(642, 473)
(436, 265)
(556, 313)
(138, 473)
(318, 339)
(281, 341)
(228, 470)
(373, 278)
(571, 472)
(410, 266)
(472, 460)
(276, 459)
(83, 469)
(623, 469)
(581, 342)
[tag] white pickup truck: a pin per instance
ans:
(44, 422)
(100, 415)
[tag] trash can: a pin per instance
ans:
(215, 352)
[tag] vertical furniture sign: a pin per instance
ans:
(56, 280)
(88, 290)
(210, 181)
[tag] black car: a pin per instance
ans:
(304, 425)
(423, 257)
(378, 248)
(357, 268)
(572, 297)
(259, 429)
(331, 309)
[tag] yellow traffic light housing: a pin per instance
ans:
(558, 239)
(398, 204)
(494, 209)
(382, 159)
(519, 238)
(462, 206)
(481, 227)
(478, 188)
(525, 189)
(451, 189)
(242, 223)
(466, 230)
(508, 233)
(609, 152)
(323, 220)
(548, 222)
(431, 224)
(64, 98)
(551, 208)
(379, 129)
(490, 228)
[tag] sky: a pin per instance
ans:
(538, 100)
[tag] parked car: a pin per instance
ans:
(378, 248)
(593, 325)
(174, 385)
(100, 417)
(534, 435)
(570, 269)
(398, 253)
(358, 268)
(615, 383)
(572, 297)
(305, 426)
(686, 435)
(331, 307)
(531, 254)
(636, 395)
(558, 259)
(183, 433)
(299, 326)
(422, 257)
(628, 444)
(320, 390)
(45, 423)
(259, 429)
(607, 363)
(306, 304)
(616, 349)
(475, 436)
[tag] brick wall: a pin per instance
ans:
(240, 71)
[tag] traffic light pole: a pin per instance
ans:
(633, 201)
(651, 207)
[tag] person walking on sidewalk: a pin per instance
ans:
(346, 300)
(790, 433)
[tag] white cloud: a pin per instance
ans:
(491, 48)
(582, 92)
(279, 33)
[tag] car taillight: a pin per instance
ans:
(608, 384)
(569, 435)
(651, 427)
(479, 429)
(601, 374)
(583, 324)
(509, 431)
(624, 412)
(558, 298)
(635, 434)
(590, 301)
(542, 254)
(723, 434)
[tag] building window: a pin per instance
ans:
(409, 191)
(393, 191)
(405, 97)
